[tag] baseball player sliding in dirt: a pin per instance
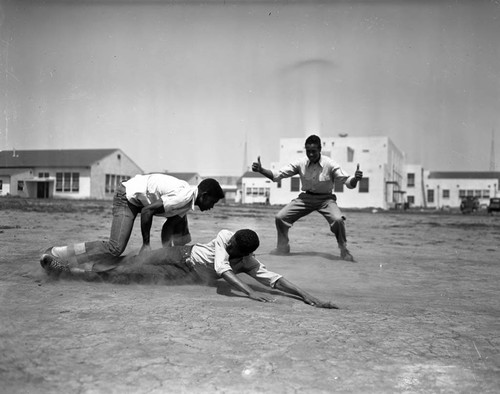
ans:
(224, 257)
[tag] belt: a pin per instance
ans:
(329, 195)
(317, 194)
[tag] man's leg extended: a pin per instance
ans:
(153, 265)
(285, 219)
(175, 231)
(124, 215)
(333, 215)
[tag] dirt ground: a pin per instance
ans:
(420, 310)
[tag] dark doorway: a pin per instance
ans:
(42, 190)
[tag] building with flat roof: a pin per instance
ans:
(447, 188)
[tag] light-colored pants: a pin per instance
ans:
(302, 206)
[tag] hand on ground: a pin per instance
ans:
(313, 301)
(145, 248)
(261, 297)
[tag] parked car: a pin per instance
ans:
(469, 204)
(494, 205)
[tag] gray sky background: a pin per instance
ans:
(180, 86)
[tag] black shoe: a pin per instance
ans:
(52, 264)
(346, 255)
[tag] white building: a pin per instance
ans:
(380, 160)
(255, 188)
(447, 189)
(229, 185)
(415, 185)
(69, 173)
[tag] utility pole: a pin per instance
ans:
(245, 156)
(492, 153)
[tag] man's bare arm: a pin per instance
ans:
(257, 167)
(288, 287)
(147, 214)
(231, 278)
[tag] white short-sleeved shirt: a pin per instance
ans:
(177, 195)
(213, 258)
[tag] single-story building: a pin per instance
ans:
(448, 188)
(64, 173)
(254, 188)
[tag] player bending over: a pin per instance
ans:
(225, 256)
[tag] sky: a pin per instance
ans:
(207, 85)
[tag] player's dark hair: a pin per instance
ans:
(314, 139)
(211, 187)
(247, 240)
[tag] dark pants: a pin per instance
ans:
(152, 266)
(302, 206)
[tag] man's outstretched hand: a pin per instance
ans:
(327, 305)
(261, 297)
(256, 165)
(358, 174)
(313, 301)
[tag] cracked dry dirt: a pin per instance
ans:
(420, 311)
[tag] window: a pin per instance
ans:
(279, 184)
(43, 175)
(67, 181)
(486, 193)
(338, 187)
(477, 193)
(261, 191)
(410, 199)
(249, 191)
(20, 186)
(364, 185)
(446, 193)
(461, 193)
(470, 193)
(59, 176)
(410, 180)
(430, 195)
(1, 184)
(295, 184)
(75, 182)
(350, 155)
(113, 181)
